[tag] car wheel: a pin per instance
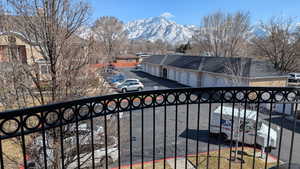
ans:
(124, 90)
(140, 89)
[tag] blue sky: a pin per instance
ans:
(191, 11)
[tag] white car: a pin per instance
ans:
(294, 77)
(226, 122)
(130, 85)
(139, 67)
(116, 84)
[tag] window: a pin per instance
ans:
(3, 53)
(12, 39)
(22, 55)
(45, 69)
(126, 83)
(131, 81)
(13, 52)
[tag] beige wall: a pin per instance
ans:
(31, 51)
(272, 82)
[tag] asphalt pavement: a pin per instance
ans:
(150, 81)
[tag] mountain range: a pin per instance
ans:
(160, 27)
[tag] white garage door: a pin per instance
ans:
(146, 68)
(178, 74)
(172, 74)
(149, 69)
(193, 79)
(184, 78)
(152, 70)
(211, 81)
(156, 71)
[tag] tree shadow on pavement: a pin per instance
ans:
(160, 81)
(286, 123)
(203, 136)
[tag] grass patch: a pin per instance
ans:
(224, 162)
(13, 154)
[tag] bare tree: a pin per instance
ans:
(2, 15)
(49, 27)
(223, 34)
(109, 32)
(160, 46)
(237, 69)
(143, 46)
(279, 43)
(226, 35)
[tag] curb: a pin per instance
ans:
(189, 155)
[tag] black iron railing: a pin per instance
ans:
(177, 128)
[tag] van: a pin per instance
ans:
(250, 122)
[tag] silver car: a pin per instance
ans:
(130, 85)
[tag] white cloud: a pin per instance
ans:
(167, 15)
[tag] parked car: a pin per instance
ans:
(116, 84)
(294, 77)
(130, 85)
(250, 123)
(116, 78)
(138, 67)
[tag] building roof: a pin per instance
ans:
(247, 67)
(154, 59)
(183, 61)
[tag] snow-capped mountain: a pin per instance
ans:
(160, 27)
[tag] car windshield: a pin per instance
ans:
(292, 75)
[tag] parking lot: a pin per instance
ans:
(149, 81)
(184, 133)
